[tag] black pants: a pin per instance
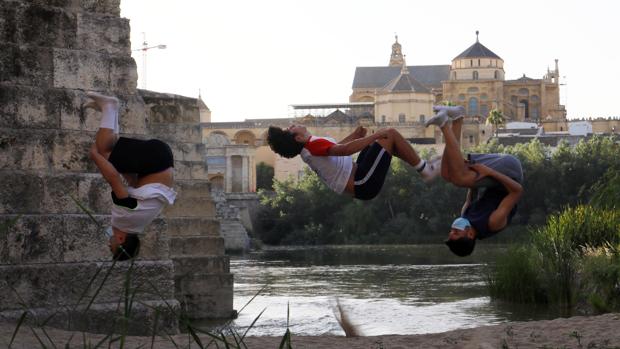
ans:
(142, 157)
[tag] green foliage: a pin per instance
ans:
(264, 176)
(514, 277)
(495, 118)
(564, 263)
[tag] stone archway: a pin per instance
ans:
(526, 108)
(245, 137)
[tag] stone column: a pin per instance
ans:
(50, 53)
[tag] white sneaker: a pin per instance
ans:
(439, 119)
(454, 112)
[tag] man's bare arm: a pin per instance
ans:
(109, 173)
(499, 217)
(357, 145)
(359, 132)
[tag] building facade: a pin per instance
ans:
(402, 96)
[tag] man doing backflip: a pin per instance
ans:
(147, 168)
(333, 163)
(501, 176)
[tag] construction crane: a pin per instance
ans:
(145, 47)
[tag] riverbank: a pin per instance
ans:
(601, 331)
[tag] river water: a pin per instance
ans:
(409, 289)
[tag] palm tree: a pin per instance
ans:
(496, 118)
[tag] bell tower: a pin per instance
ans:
(396, 59)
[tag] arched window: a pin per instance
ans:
(478, 61)
(383, 119)
(475, 75)
(496, 74)
(473, 106)
(473, 90)
(401, 117)
(461, 97)
(471, 139)
(484, 110)
(422, 118)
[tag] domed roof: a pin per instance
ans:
(477, 50)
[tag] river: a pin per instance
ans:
(407, 289)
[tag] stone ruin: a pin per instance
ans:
(51, 52)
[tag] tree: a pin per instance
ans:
(496, 118)
(264, 176)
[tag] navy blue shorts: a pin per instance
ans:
(142, 157)
(373, 164)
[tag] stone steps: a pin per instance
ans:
(196, 246)
(187, 266)
(57, 238)
(210, 296)
(62, 284)
(100, 317)
(178, 227)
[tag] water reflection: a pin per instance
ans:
(385, 289)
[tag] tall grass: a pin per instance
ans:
(555, 266)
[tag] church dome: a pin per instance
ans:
(477, 62)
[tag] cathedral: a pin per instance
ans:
(474, 80)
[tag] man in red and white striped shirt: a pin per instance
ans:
(333, 163)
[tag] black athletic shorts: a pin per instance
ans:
(142, 157)
(373, 164)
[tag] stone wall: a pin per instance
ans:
(51, 52)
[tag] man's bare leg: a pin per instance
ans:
(458, 172)
(397, 145)
(456, 130)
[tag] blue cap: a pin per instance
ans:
(461, 223)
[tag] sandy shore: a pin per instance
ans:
(601, 331)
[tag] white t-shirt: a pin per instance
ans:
(333, 170)
(152, 198)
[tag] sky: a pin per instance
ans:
(252, 59)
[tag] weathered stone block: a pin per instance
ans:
(199, 171)
(188, 151)
(210, 298)
(191, 207)
(192, 226)
(108, 7)
(104, 317)
(196, 246)
(176, 132)
(104, 34)
(63, 284)
(81, 70)
(198, 265)
(71, 238)
(48, 27)
(193, 189)
(182, 169)
(123, 74)
(20, 193)
(27, 65)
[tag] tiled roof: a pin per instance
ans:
(430, 76)
(477, 50)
